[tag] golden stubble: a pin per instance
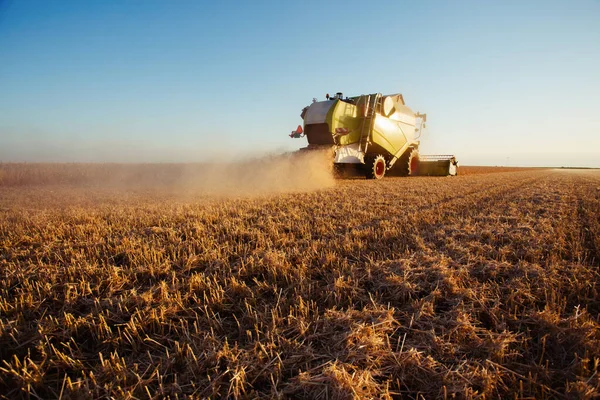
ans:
(483, 285)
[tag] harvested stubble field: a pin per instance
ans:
(484, 285)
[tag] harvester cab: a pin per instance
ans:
(371, 133)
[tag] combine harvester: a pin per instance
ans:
(372, 133)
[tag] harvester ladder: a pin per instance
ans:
(368, 121)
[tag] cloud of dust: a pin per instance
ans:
(300, 171)
(290, 172)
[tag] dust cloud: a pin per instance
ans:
(290, 172)
(302, 171)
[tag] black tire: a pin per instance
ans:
(408, 163)
(375, 166)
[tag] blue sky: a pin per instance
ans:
(511, 82)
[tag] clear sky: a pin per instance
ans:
(506, 82)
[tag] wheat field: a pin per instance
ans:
(272, 280)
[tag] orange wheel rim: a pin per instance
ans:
(414, 164)
(379, 168)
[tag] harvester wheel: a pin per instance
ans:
(408, 163)
(376, 167)
(413, 163)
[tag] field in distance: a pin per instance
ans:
(273, 280)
